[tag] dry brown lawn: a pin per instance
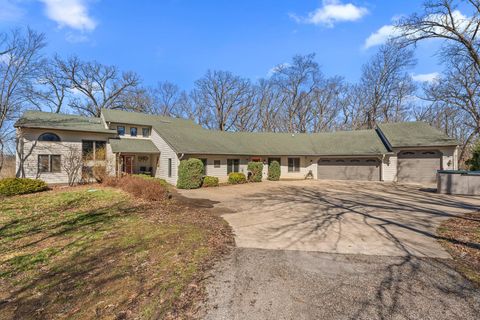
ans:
(462, 240)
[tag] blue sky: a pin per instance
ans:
(178, 40)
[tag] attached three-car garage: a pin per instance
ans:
(349, 169)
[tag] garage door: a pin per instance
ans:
(418, 166)
(349, 169)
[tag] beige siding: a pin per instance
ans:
(449, 158)
(389, 168)
(221, 172)
(69, 141)
(166, 152)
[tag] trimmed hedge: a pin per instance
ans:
(209, 181)
(274, 171)
(16, 186)
(190, 174)
(256, 169)
(237, 178)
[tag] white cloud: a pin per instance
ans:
(426, 77)
(70, 13)
(381, 36)
(331, 12)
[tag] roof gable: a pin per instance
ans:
(60, 121)
(414, 134)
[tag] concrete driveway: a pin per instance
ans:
(336, 250)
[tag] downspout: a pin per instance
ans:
(382, 178)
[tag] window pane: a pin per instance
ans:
(48, 137)
(55, 163)
(145, 132)
(87, 150)
(236, 165)
(293, 164)
(216, 163)
(133, 131)
(169, 167)
(100, 150)
(43, 165)
(121, 130)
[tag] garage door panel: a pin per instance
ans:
(418, 166)
(349, 169)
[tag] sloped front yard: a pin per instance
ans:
(83, 254)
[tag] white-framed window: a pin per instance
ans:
(49, 163)
(217, 163)
(145, 132)
(293, 164)
(133, 131)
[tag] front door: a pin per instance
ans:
(127, 164)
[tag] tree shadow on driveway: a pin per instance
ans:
(412, 277)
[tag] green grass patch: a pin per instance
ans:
(87, 254)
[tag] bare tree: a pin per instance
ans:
(296, 82)
(50, 90)
(267, 101)
(22, 153)
(20, 59)
(385, 86)
(137, 99)
(101, 86)
(168, 99)
(72, 163)
(457, 93)
(441, 19)
(221, 97)
(458, 89)
(328, 99)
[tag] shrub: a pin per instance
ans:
(147, 189)
(99, 172)
(162, 182)
(237, 178)
(209, 181)
(474, 162)
(15, 186)
(190, 173)
(256, 169)
(274, 171)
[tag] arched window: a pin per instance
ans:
(48, 136)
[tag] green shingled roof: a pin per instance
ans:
(184, 136)
(133, 146)
(414, 134)
(49, 120)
